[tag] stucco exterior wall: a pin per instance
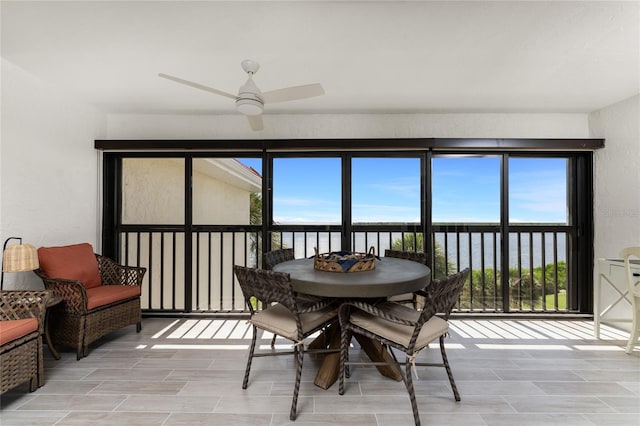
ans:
(153, 191)
(216, 202)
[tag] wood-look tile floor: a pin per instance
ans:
(189, 372)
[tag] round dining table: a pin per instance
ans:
(390, 277)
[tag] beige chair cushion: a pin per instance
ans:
(408, 298)
(401, 297)
(279, 320)
(399, 333)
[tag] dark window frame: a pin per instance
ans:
(580, 188)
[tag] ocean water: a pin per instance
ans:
(529, 249)
(463, 250)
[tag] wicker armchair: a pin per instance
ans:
(285, 316)
(88, 313)
(21, 326)
(406, 329)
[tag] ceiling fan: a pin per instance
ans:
(250, 100)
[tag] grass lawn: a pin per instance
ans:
(550, 303)
(562, 301)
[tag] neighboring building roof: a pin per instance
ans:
(230, 171)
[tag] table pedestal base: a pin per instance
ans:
(330, 368)
(376, 353)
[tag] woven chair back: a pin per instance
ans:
(445, 293)
(272, 258)
(442, 295)
(266, 286)
(408, 255)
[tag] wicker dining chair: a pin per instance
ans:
(406, 329)
(271, 259)
(284, 315)
(419, 257)
(22, 314)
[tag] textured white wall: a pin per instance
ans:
(617, 177)
(141, 126)
(48, 166)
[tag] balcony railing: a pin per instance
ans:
(535, 269)
(537, 279)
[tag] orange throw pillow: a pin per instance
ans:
(75, 262)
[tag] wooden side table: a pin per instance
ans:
(53, 301)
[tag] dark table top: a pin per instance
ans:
(390, 277)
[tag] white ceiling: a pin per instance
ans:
(370, 56)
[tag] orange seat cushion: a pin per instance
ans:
(106, 294)
(15, 329)
(75, 262)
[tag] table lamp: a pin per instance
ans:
(18, 258)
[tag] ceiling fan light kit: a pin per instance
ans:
(250, 101)
(248, 104)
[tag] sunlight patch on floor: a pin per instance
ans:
(600, 348)
(523, 347)
(216, 329)
(533, 329)
(517, 334)
(216, 346)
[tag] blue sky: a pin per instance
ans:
(465, 189)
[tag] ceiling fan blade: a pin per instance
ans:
(255, 121)
(197, 86)
(292, 93)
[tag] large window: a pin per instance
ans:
(468, 229)
(513, 218)
(385, 190)
(538, 190)
(538, 198)
(466, 189)
(307, 191)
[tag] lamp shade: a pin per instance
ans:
(20, 258)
